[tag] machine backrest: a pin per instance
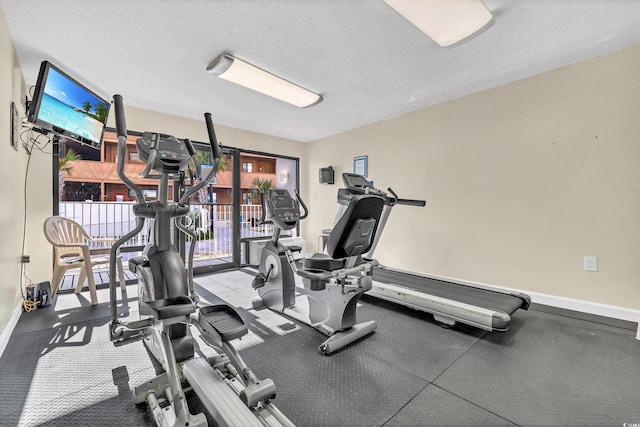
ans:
(353, 233)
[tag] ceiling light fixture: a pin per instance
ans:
(240, 72)
(447, 22)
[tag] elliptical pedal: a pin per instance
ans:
(221, 319)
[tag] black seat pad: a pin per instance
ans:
(323, 262)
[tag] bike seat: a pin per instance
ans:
(323, 262)
(167, 308)
(223, 320)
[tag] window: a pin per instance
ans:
(247, 167)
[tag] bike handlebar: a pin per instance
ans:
(263, 215)
(306, 211)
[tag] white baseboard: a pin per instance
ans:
(9, 327)
(598, 309)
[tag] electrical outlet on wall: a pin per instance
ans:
(591, 263)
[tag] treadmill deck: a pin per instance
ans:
(449, 302)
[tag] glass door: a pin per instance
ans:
(226, 213)
(213, 216)
(259, 173)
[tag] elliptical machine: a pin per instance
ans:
(226, 386)
(333, 282)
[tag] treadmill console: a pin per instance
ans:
(284, 210)
(358, 184)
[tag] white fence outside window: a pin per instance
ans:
(213, 223)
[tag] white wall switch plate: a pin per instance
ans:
(590, 263)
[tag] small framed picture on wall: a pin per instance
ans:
(360, 165)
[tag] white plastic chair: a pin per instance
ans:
(71, 250)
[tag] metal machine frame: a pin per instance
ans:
(332, 286)
(168, 304)
(449, 301)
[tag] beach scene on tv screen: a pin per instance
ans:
(67, 105)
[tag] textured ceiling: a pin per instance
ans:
(367, 61)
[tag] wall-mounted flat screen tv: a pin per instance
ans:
(63, 106)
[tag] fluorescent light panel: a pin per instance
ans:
(447, 22)
(240, 72)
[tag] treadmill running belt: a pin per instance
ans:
(454, 291)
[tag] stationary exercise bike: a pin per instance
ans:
(168, 305)
(333, 282)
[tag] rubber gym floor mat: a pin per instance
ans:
(70, 308)
(411, 340)
(552, 370)
(436, 407)
(52, 372)
(348, 388)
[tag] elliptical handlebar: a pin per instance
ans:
(121, 123)
(121, 130)
(213, 141)
(153, 152)
(215, 150)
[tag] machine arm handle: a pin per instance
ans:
(153, 152)
(121, 124)
(212, 137)
(395, 200)
(189, 145)
(394, 196)
(194, 158)
(215, 150)
(263, 215)
(121, 129)
(304, 207)
(411, 202)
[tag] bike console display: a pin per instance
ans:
(285, 211)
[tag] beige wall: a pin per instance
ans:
(13, 166)
(521, 181)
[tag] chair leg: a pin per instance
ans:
(58, 274)
(89, 271)
(92, 284)
(82, 276)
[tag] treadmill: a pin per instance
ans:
(448, 301)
